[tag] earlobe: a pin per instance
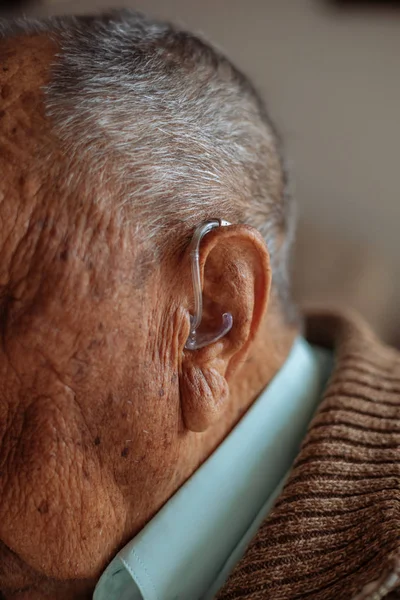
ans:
(204, 393)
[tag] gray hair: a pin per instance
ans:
(182, 131)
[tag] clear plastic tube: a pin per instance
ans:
(196, 339)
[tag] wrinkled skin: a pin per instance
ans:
(100, 408)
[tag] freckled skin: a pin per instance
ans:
(93, 438)
(68, 325)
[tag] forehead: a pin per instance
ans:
(25, 69)
(47, 207)
(25, 66)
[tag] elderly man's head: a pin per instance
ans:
(118, 136)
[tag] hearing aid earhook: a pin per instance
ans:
(196, 339)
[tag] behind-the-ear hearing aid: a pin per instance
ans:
(198, 339)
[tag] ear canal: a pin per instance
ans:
(198, 339)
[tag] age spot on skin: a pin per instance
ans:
(5, 91)
(43, 507)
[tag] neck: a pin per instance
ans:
(269, 352)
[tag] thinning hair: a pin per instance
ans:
(184, 133)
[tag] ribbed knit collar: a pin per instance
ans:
(334, 533)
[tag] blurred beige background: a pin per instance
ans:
(332, 82)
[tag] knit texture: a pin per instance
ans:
(335, 530)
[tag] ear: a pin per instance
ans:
(236, 278)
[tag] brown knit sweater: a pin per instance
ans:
(335, 531)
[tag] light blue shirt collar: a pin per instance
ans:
(189, 548)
